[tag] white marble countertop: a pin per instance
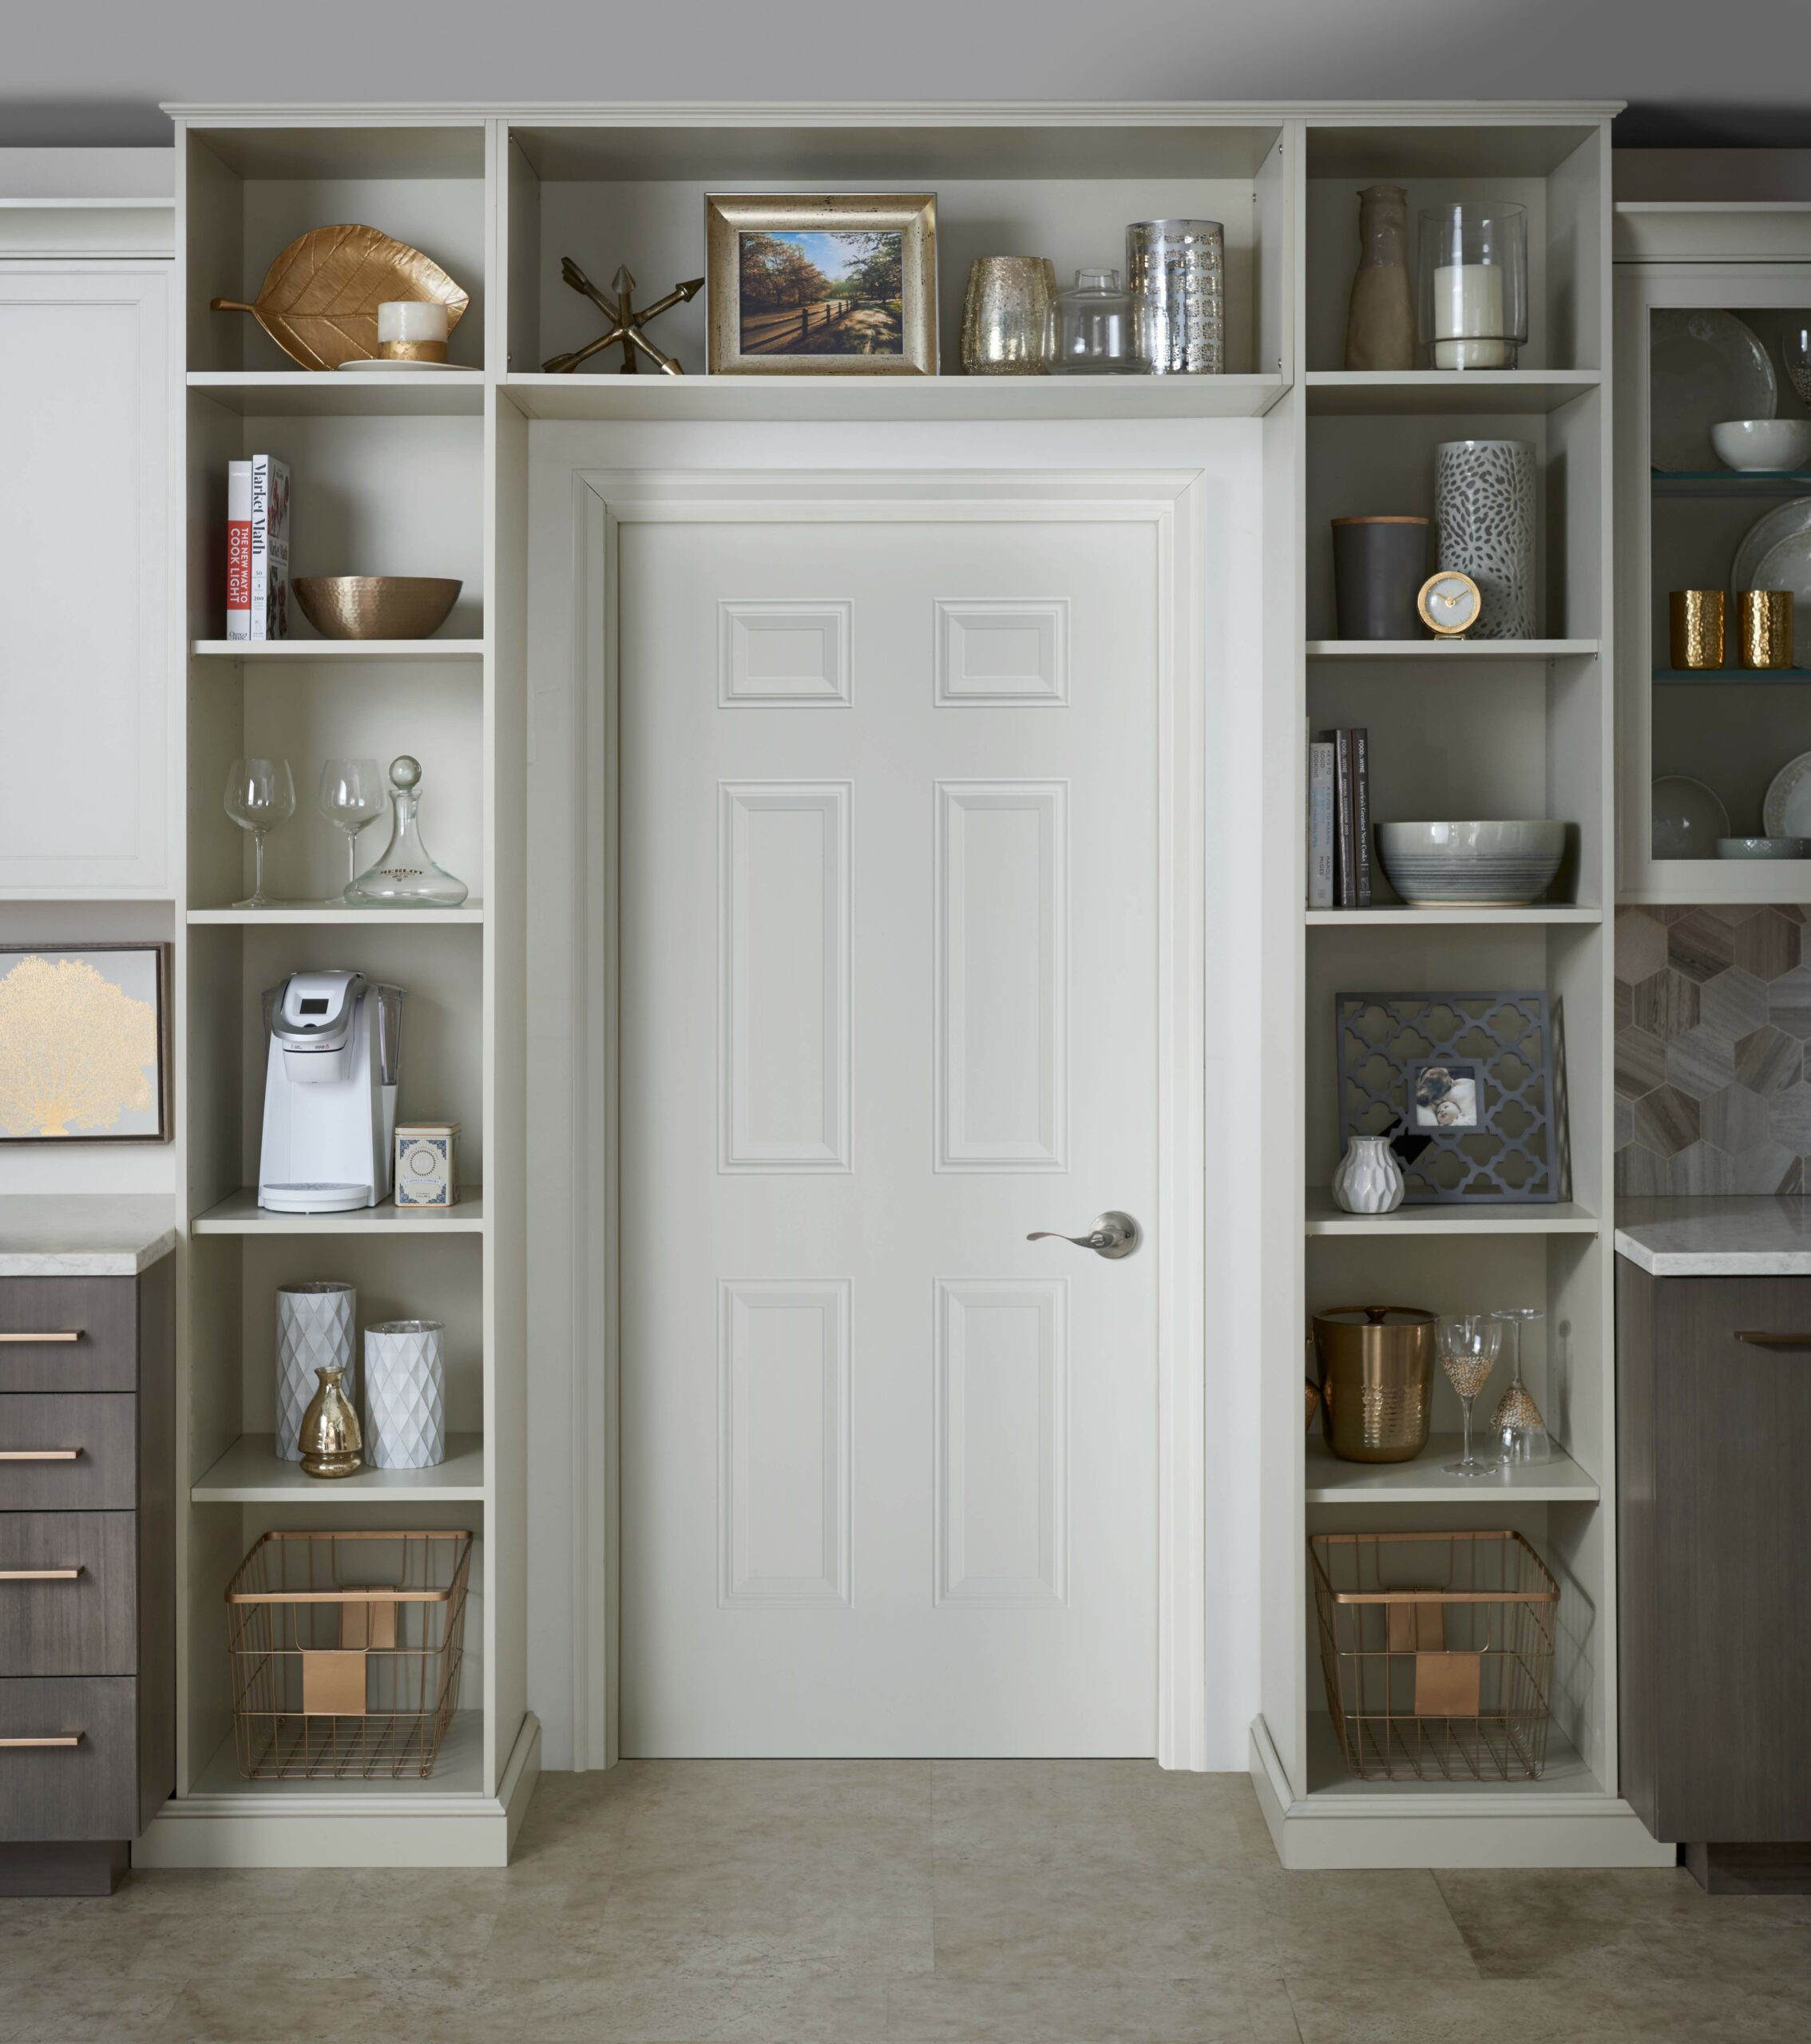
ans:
(73, 1235)
(1758, 1237)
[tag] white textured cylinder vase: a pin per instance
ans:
(1368, 1179)
(406, 1394)
(314, 1332)
(1484, 509)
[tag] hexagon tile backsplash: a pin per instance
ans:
(1713, 1015)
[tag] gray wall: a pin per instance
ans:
(1733, 72)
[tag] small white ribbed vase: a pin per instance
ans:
(406, 1394)
(1368, 1179)
(314, 1332)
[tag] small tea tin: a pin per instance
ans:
(427, 1164)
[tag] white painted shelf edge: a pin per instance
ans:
(249, 1473)
(1400, 914)
(1328, 1481)
(337, 649)
(1322, 1217)
(240, 1213)
(301, 912)
(1452, 649)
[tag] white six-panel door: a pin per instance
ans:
(889, 903)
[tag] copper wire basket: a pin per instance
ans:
(344, 1651)
(1437, 1649)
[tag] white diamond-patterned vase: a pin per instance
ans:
(314, 1332)
(406, 1394)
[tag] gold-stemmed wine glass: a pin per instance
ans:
(1469, 1343)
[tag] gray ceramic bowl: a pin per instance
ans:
(1472, 865)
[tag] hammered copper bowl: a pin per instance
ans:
(376, 606)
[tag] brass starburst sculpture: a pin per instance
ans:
(626, 323)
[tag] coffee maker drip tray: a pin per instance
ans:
(314, 1198)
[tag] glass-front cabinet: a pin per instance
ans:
(1714, 545)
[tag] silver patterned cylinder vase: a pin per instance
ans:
(1177, 272)
(406, 1394)
(1484, 508)
(314, 1332)
(1006, 316)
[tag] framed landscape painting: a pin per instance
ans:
(807, 283)
(84, 1043)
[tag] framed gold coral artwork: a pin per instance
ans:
(84, 1043)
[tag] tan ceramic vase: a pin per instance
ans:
(1379, 323)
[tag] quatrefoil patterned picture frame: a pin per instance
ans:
(1515, 1154)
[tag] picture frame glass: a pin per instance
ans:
(820, 292)
(83, 1043)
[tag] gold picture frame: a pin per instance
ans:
(821, 284)
(85, 1042)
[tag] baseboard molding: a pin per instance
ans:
(1471, 1828)
(419, 1829)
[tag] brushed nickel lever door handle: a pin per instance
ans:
(1112, 1234)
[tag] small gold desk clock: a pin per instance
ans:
(1450, 602)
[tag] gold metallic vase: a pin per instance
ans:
(1377, 1381)
(1007, 315)
(1695, 617)
(1764, 621)
(331, 1440)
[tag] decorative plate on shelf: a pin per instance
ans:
(1786, 810)
(1703, 367)
(1688, 818)
(1764, 535)
(1787, 566)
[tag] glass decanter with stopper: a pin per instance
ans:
(405, 876)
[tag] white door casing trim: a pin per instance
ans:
(1170, 501)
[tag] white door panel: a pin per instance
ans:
(889, 969)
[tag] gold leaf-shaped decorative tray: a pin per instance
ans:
(319, 299)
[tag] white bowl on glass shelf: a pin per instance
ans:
(1770, 445)
(1473, 864)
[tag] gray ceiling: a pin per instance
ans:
(1695, 72)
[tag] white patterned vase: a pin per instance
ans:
(406, 1394)
(314, 1332)
(1368, 1179)
(1484, 508)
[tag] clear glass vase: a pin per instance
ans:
(1474, 284)
(1095, 332)
(405, 876)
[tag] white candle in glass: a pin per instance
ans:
(1468, 312)
(411, 319)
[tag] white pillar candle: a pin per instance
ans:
(1467, 317)
(412, 319)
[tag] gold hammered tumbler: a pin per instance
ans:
(1764, 623)
(1695, 617)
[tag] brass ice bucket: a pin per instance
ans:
(1376, 1367)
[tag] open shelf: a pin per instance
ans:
(862, 397)
(249, 1473)
(337, 649)
(312, 912)
(1400, 914)
(343, 393)
(1395, 392)
(241, 1215)
(1328, 1481)
(1467, 650)
(1564, 1217)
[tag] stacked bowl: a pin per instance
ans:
(1470, 865)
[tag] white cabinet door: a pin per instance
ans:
(889, 964)
(84, 576)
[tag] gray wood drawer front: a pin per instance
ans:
(88, 1790)
(101, 1312)
(102, 1475)
(53, 1623)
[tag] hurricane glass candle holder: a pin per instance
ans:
(1474, 284)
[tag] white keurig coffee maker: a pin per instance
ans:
(330, 1092)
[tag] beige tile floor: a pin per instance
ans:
(904, 1903)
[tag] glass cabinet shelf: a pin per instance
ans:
(1731, 677)
(1731, 482)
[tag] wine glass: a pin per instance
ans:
(259, 792)
(1521, 1432)
(353, 792)
(1795, 352)
(1469, 1343)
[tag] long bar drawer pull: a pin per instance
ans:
(74, 1336)
(39, 1454)
(1765, 1340)
(39, 1574)
(62, 1739)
